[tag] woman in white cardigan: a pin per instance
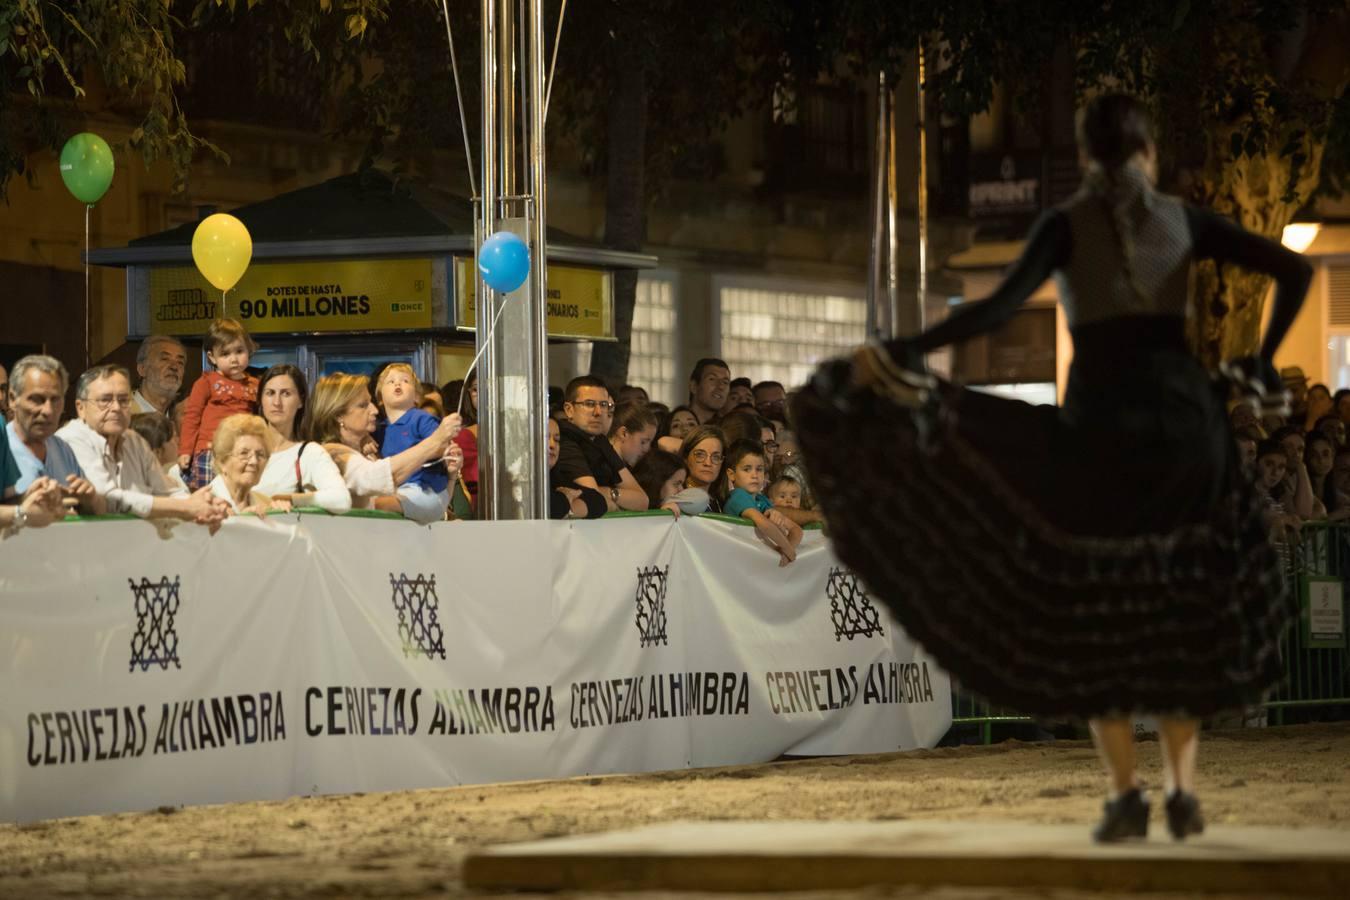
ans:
(342, 416)
(300, 471)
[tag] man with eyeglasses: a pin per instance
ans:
(586, 458)
(118, 462)
(771, 400)
(37, 395)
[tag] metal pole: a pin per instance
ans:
(537, 108)
(506, 99)
(877, 324)
(892, 219)
(922, 211)
(484, 306)
(513, 383)
(553, 66)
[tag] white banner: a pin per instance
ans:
(313, 654)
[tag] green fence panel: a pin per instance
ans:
(1317, 668)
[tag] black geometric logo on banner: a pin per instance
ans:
(651, 606)
(850, 607)
(417, 606)
(155, 641)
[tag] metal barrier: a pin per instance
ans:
(1317, 666)
(1317, 683)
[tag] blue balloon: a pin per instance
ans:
(504, 261)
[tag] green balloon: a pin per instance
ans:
(87, 166)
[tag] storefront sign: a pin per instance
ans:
(580, 301)
(1014, 188)
(340, 295)
(1324, 611)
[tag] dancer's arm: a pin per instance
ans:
(1047, 248)
(1216, 238)
(1303, 495)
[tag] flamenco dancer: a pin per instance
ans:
(1099, 559)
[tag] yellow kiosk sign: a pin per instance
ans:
(341, 295)
(580, 301)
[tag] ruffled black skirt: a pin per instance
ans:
(1101, 558)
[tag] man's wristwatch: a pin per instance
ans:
(614, 495)
(20, 517)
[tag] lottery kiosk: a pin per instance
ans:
(354, 272)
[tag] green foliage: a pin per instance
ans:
(50, 50)
(1267, 78)
(703, 63)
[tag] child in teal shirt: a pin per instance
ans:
(744, 474)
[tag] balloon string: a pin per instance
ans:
(464, 391)
(88, 312)
(486, 338)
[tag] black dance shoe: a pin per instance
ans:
(1183, 815)
(1122, 818)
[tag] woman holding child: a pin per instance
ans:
(343, 417)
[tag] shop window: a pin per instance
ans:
(1338, 326)
(778, 332)
(651, 361)
(1021, 352)
(818, 138)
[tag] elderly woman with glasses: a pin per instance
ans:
(240, 455)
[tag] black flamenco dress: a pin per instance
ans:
(1100, 558)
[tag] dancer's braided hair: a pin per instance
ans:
(1112, 128)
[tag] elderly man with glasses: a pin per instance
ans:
(118, 462)
(586, 458)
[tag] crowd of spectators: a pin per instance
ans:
(248, 441)
(728, 450)
(241, 440)
(1300, 462)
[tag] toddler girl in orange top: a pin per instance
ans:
(215, 397)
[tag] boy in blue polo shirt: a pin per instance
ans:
(424, 496)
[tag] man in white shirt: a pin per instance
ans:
(160, 362)
(118, 461)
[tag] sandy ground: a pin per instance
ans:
(413, 843)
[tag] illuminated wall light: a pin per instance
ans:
(1298, 236)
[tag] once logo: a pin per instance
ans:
(850, 607)
(418, 608)
(155, 641)
(651, 606)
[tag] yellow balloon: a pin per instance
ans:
(222, 248)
